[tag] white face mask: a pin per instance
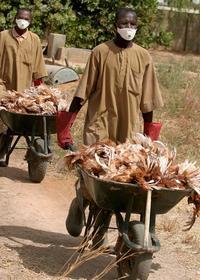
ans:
(127, 33)
(22, 23)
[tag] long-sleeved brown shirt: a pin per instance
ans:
(118, 84)
(20, 62)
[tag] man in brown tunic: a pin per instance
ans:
(21, 61)
(119, 82)
(21, 57)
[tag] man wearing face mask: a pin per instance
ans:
(119, 82)
(21, 56)
(21, 63)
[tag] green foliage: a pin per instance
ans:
(164, 38)
(48, 16)
(85, 22)
(99, 15)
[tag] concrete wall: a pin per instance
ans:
(55, 41)
(186, 29)
(74, 57)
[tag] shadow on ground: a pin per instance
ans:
(47, 252)
(14, 174)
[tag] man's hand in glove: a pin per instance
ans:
(64, 122)
(152, 130)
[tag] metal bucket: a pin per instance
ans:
(60, 75)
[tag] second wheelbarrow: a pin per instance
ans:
(37, 130)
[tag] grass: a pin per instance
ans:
(181, 114)
(191, 239)
(87, 251)
(168, 225)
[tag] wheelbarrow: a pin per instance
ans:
(36, 129)
(137, 241)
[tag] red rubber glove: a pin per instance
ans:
(64, 121)
(37, 82)
(152, 130)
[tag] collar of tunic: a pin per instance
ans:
(18, 37)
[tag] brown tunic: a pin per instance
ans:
(20, 62)
(118, 84)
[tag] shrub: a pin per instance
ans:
(85, 22)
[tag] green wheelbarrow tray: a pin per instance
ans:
(115, 196)
(28, 124)
(131, 198)
(36, 129)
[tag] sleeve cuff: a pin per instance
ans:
(149, 107)
(37, 76)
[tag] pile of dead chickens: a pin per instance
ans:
(150, 165)
(140, 160)
(41, 100)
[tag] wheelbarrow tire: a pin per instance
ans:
(36, 166)
(136, 267)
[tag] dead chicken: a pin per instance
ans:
(195, 200)
(135, 160)
(42, 100)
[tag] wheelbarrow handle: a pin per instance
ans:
(147, 218)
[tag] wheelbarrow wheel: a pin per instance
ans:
(37, 166)
(134, 267)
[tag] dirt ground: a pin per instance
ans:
(35, 245)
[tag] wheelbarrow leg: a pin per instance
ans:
(45, 135)
(5, 147)
(101, 224)
(11, 148)
(76, 215)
